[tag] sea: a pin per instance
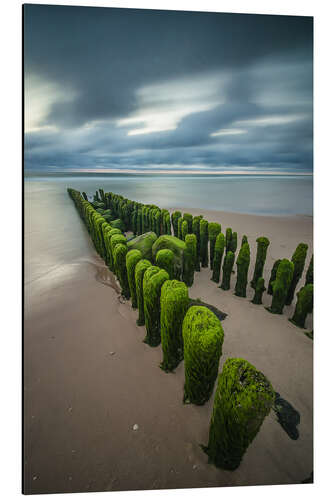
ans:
(54, 235)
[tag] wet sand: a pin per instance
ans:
(89, 379)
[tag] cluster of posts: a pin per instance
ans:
(155, 269)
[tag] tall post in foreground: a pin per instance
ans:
(281, 285)
(273, 277)
(132, 258)
(153, 280)
(228, 263)
(304, 305)
(262, 245)
(204, 242)
(189, 259)
(260, 288)
(174, 304)
(218, 254)
(242, 263)
(203, 338)
(140, 270)
(298, 260)
(243, 398)
(213, 230)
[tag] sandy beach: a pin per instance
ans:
(89, 378)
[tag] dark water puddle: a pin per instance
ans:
(287, 416)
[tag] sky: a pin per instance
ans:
(141, 90)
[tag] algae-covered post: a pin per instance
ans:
(309, 273)
(176, 245)
(228, 238)
(204, 242)
(260, 288)
(140, 270)
(179, 229)
(189, 220)
(218, 254)
(262, 245)
(132, 258)
(242, 263)
(298, 259)
(273, 276)
(203, 338)
(174, 218)
(304, 305)
(213, 230)
(196, 231)
(115, 239)
(153, 280)
(165, 259)
(233, 243)
(244, 240)
(189, 259)
(243, 398)
(228, 263)
(281, 285)
(174, 304)
(119, 255)
(184, 229)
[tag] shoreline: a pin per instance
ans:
(91, 399)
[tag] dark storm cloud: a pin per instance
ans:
(101, 58)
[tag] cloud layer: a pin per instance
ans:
(118, 88)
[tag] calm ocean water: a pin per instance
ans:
(263, 195)
(55, 240)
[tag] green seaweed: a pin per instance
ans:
(304, 305)
(189, 220)
(165, 259)
(174, 218)
(281, 285)
(204, 242)
(189, 259)
(228, 263)
(262, 245)
(174, 304)
(153, 280)
(273, 277)
(298, 259)
(309, 273)
(184, 229)
(119, 256)
(140, 270)
(243, 398)
(242, 263)
(176, 245)
(132, 258)
(196, 231)
(228, 238)
(144, 243)
(213, 230)
(218, 254)
(203, 338)
(260, 288)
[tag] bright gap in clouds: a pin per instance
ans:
(228, 131)
(162, 106)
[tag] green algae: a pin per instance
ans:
(203, 338)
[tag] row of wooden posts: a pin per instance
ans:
(205, 246)
(192, 333)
